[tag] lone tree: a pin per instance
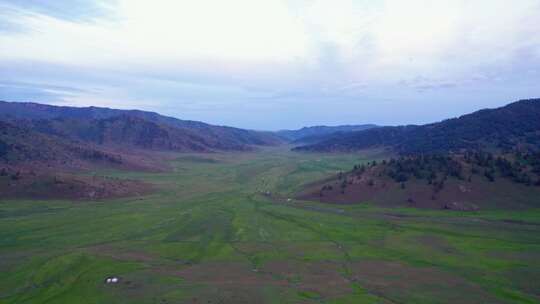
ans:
(343, 186)
(16, 176)
(490, 175)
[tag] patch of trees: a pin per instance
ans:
(16, 175)
(358, 170)
(427, 167)
(12, 174)
(343, 186)
(522, 168)
(4, 148)
(325, 188)
(519, 167)
(99, 155)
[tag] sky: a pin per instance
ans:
(269, 64)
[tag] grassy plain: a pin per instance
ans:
(209, 235)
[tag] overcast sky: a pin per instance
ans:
(273, 64)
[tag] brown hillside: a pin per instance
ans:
(468, 188)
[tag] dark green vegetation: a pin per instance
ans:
(522, 168)
(211, 235)
(516, 125)
(464, 182)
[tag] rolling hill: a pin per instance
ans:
(20, 145)
(516, 125)
(465, 182)
(91, 123)
(128, 131)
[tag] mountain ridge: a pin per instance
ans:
(86, 124)
(312, 133)
(514, 125)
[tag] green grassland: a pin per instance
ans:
(210, 235)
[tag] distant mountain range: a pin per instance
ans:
(34, 132)
(515, 126)
(317, 133)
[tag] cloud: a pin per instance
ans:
(69, 10)
(194, 56)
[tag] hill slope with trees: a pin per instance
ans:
(515, 126)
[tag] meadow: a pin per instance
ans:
(225, 228)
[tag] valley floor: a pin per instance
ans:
(222, 229)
